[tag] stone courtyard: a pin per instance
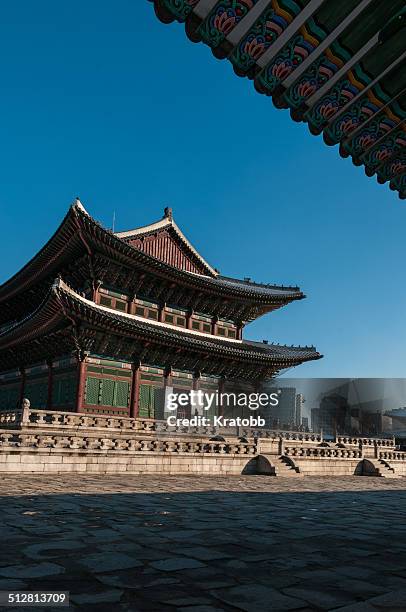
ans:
(200, 544)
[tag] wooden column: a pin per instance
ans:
(168, 377)
(195, 387)
(95, 294)
(131, 305)
(189, 319)
(240, 327)
(161, 311)
(196, 378)
(167, 382)
(214, 325)
(135, 390)
(50, 385)
(81, 384)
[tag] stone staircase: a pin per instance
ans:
(274, 465)
(382, 469)
(285, 467)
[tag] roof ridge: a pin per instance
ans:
(249, 281)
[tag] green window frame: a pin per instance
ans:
(107, 392)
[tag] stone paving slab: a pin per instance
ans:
(197, 544)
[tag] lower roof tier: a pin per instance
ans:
(67, 322)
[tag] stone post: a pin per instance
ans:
(25, 411)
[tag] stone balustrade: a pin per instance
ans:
(74, 420)
(299, 436)
(246, 432)
(322, 452)
(278, 434)
(11, 418)
(85, 442)
(392, 455)
(359, 441)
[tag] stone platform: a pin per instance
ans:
(54, 442)
(206, 544)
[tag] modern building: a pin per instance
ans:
(282, 416)
(300, 400)
(104, 322)
(360, 406)
(315, 412)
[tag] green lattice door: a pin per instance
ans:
(107, 392)
(92, 391)
(146, 403)
(121, 394)
(159, 403)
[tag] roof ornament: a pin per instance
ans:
(57, 283)
(78, 204)
(168, 213)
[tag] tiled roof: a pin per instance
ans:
(62, 305)
(78, 230)
(339, 66)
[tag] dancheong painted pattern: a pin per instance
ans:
(339, 66)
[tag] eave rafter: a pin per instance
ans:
(334, 65)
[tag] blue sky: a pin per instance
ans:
(111, 105)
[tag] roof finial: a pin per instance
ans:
(57, 284)
(168, 213)
(76, 202)
(78, 205)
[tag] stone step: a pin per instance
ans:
(383, 469)
(285, 469)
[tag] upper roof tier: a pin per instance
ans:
(152, 261)
(338, 65)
